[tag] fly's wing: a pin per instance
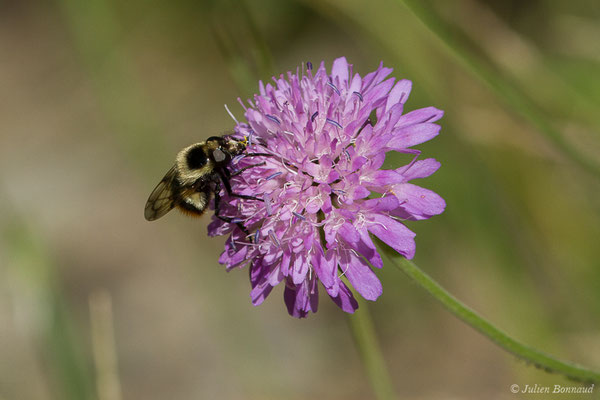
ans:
(161, 200)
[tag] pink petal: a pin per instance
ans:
(427, 114)
(345, 300)
(420, 202)
(301, 299)
(360, 275)
(382, 178)
(275, 277)
(259, 293)
(332, 261)
(399, 94)
(412, 135)
(367, 249)
(381, 204)
(360, 192)
(325, 268)
(375, 77)
(391, 116)
(378, 92)
(393, 233)
(263, 280)
(299, 269)
(285, 263)
(349, 233)
(356, 84)
(419, 169)
(339, 71)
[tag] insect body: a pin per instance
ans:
(196, 176)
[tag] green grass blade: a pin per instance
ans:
(502, 85)
(466, 314)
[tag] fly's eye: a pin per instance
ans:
(219, 155)
(196, 158)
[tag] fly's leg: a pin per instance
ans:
(249, 166)
(258, 155)
(225, 181)
(229, 220)
(239, 171)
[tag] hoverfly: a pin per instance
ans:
(196, 177)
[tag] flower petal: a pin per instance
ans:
(355, 86)
(301, 299)
(375, 77)
(381, 204)
(419, 202)
(339, 71)
(263, 278)
(419, 169)
(324, 267)
(427, 114)
(233, 257)
(345, 299)
(379, 92)
(412, 135)
(399, 94)
(285, 262)
(393, 233)
(349, 233)
(366, 248)
(299, 269)
(259, 293)
(360, 275)
(382, 178)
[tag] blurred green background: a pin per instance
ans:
(96, 98)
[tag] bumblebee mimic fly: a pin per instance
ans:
(196, 177)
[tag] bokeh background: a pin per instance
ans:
(96, 98)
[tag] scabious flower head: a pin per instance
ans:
(324, 194)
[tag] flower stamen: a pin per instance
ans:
(272, 176)
(274, 238)
(273, 118)
(267, 201)
(299, 216)
(359, 96)
(334, 123)
(256, 235)
(335, 89)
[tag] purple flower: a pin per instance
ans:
(324, 194)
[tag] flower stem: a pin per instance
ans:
(363, 332)
(539, 359)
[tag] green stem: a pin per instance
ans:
(363, 332)
(539, 359)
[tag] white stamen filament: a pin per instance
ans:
(231, 114)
